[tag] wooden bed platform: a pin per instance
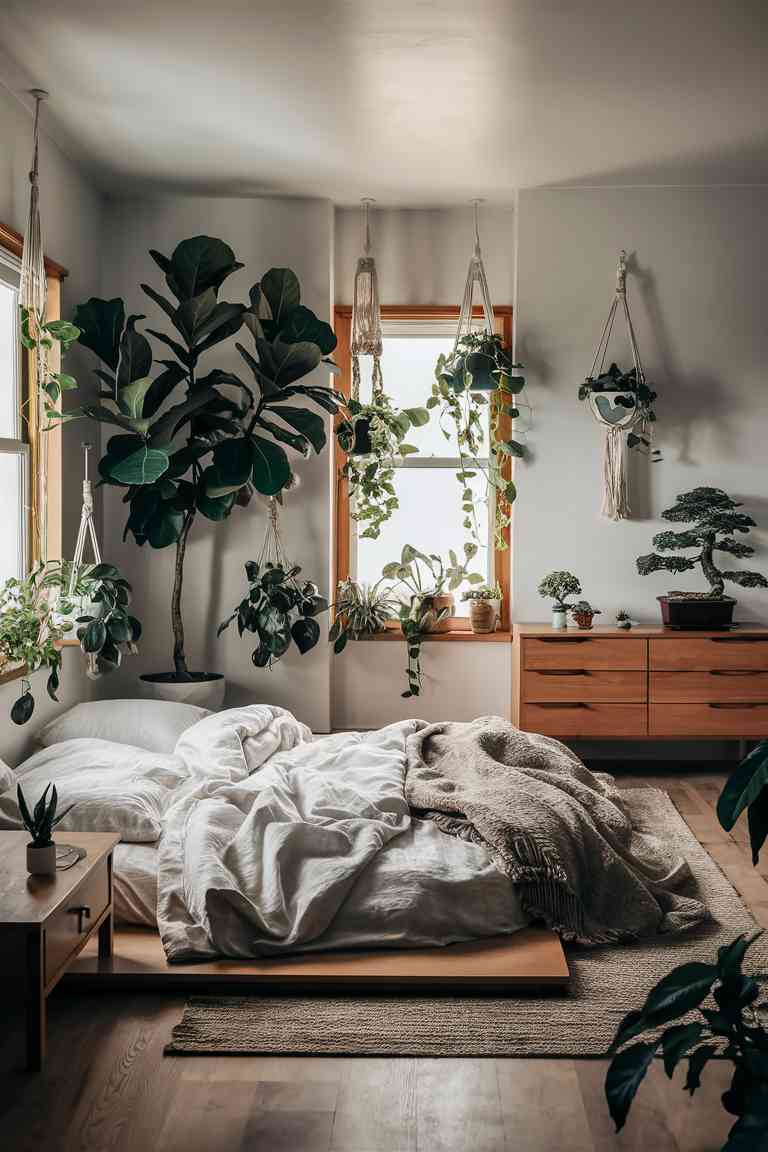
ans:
(532, 958)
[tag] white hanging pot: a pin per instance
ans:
(614, 409)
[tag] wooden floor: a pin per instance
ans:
(107, 1084)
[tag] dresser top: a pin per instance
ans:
(26, 899)
(640, 631)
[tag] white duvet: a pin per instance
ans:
(273, 842)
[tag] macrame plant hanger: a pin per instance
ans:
(616, 419)
(87, 529)
(475, 277)
(272, 550)
(366, 313)
(32, 298)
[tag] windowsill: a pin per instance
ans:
(9, 672)
(456, 635)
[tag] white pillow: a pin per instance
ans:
(152, 724)
(7, 778)
(108, 787)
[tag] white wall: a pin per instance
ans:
(263, 233)
(72, 231)
(697, 295)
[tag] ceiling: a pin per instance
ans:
(413, 102)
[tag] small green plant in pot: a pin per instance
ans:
(714, 520)
(429, 585)
(40, 823)
(361, 610)
(484, 607)
(583, 613)
(558, 586)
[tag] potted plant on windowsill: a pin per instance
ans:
(558, 586)
(714, 520)
(40, 823)
(361, 610)
(223, 439)
(484, 608)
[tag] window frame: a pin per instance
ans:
(342, 519)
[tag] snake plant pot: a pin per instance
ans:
(484, 615)
(559, 619)
(41, 861)
(205, 689)
(697, 612)
(584, 620)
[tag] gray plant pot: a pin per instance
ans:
(41, 861)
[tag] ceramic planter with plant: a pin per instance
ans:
(624, 620)
(558, 586)
(713, 521)
(429, 585)
(279, 609)
(484, 608)
(195, 440)
(40, 823)
(361, 610)
(373, 437)
(622, 400)
(583, 613)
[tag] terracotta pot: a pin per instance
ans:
(41, 861)
(483, 615)
(584, 620)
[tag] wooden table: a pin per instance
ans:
(45, 921)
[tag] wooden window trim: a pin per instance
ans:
(343, 543)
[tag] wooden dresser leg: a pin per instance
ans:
(106, 936)
(35, 1006)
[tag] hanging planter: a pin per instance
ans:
(622, 402)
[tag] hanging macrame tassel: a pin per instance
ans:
(615, 483)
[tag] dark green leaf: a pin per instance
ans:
(142, 467)
(676, 1042)
(293, 361)
(135, 360)
(193, 313)
(95, 636)
(306, 633)
(271, 470)
(260, 656)
(233, 461)
(214, 508)
(340, 643)
(162, 386)
(280, 288)
(623, 1079)
(101, 323)
(302, 325)
(52, 684)
(178, 350)
(743, 788)
(307, 423)
(164, 526)
(684, 989)
(163, 430)
(696, 1066)
(197, 264)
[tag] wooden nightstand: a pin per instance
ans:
(46, 921)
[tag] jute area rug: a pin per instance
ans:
(605, 984)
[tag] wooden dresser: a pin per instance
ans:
(648, 682)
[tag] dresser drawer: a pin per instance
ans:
(727, 719)
(723, 684)
(709, 652)
(581, 719)
(583, 684)
(578, 651)
(67, 929)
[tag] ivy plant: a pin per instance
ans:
(197, 441)
(279, 609)
(30, 635)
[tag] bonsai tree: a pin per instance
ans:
(558, 586)
(714, 520)
(222, 438)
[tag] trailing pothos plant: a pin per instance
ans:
(424, 578)
(373, 437)
(278, 608)
(205, 448)
(30, 635)
(479, 368)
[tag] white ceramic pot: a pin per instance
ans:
(206, 691)
(41, 861)
(559, 619)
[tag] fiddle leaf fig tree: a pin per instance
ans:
(195, 440)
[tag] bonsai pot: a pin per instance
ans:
(41, 861)
(559, 618)
(362, 445)
(697, 612)
(484, 615)
(584, 619)
(205, 689)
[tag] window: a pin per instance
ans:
(429, 515)
(14, 451)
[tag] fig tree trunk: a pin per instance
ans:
(179, 658)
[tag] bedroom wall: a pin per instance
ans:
(262, 232)
(422, 257)
(72, 221)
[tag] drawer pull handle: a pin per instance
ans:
(739, 639)
(563, 672)
(83, 913)
(737, 705)
(558, 705)
(564, 639)
(729, 672)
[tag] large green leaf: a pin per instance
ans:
(271, 470)
(280, 287)
(623, 1079)
(742, 789)
(142, 467)
(682, 990)
(293, 361)
(303, 325)
(163, 430)
(306, 633)
(161, 301)
(94, 636)
(101, 323)
(233, 462)
(108, 416)
(164, 526)
(757, 823)
(417, 416)
(284, 436)
(192, 314)
(135, 361)
(162, 386)
(214, 508)
(182, 354)
(307, 423)
(131, 397)
(228, 321)
(198, 263)
(677, 1042)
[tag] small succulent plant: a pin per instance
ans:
(483, 593)
(42, 820)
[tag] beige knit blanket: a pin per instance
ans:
(560, 832)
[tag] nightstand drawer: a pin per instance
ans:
(583, 684)
(579, 651)
(723, 684)
(67, 928)
(710, 652)
(723, 718)
(580, 719)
